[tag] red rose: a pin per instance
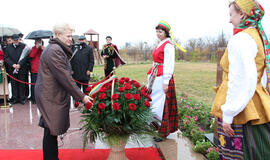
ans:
(121, 81)
(102, 96)
(148, 97)
(128, 96)
(115, 96)
(132, 106)
(108, 85)
(76, 104)
(102, 106)
(116, 106)
(133, 81)
(93, 95)
(146, 103)
(142, 92)
(137, 84)
(98, 112)
(136, 96)
(88, 105)
(88, 89)
(126, 79)
(121, 89)
(127, 86)
(102, 89)
(143, 88)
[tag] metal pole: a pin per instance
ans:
(4, 89)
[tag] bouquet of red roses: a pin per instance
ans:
(120, 109)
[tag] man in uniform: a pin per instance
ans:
(111, 56)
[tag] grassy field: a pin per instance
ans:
(195, 79)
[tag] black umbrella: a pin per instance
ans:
(42, 34)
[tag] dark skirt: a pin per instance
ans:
(250, 142)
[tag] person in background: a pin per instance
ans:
(161, 83)
(111, 56)
(20, 37)
(82, 62)
(242, 102)
(35, 56)
(28, 63)
(7, 41)
(17, 69)
(53, 89)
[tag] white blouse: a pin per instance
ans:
(242, 50)
(169, 58)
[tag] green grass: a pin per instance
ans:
(195, 79)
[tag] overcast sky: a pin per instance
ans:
(125, 20)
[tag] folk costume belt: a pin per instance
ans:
(153, 76)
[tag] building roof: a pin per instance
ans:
(91, 32)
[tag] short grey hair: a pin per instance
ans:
(61, 28)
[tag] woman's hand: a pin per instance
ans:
(228, 129)
(86, 99)
(165, 88)
(88, 73)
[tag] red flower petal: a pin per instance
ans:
(116, 106)
(146, 103)
(88, 105)
(132, 106)
(115, 96)
(76, 104)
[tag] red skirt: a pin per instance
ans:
(169, 122)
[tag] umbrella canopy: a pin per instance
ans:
(39, 34)
(6, 30)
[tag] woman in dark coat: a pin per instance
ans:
(53, 89)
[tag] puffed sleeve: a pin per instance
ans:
(168, 66)
(242, 50)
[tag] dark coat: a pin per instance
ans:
(54, 86)
(82, 61)
(12, 56)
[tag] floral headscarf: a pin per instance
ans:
(254, 20)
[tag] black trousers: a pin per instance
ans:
(50, 146)
(33, 80)
(17, 88)
(27, 86)
(83, 86)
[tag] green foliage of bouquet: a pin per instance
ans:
(119, 114)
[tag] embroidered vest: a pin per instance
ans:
(258, 109)
(158, 57)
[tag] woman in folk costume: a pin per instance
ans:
(161, 83)
(242, 103)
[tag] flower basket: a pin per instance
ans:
(117, 148)
(121, 108)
